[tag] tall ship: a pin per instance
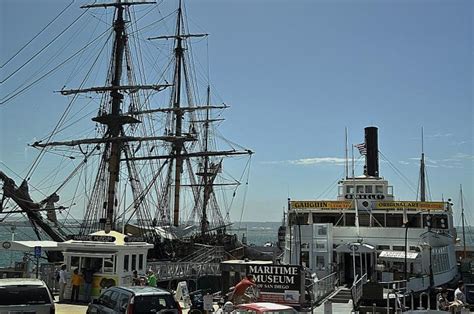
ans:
(369, 236)
(137, 149)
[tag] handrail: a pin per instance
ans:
(356, 288)
(323, 287)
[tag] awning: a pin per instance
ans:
(88, 254)
(28, 246)
(398, 255)
(355, 247)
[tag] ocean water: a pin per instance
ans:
(257, 233)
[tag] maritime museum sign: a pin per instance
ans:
(276, 278)
(320, 204)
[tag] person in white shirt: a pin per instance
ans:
(459, 293)
(62, 282)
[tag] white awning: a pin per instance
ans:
(88, 254)
(28, 246)
(398, 255)
(355, 247)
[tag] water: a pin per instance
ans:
(257, 233)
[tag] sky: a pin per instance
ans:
(296, 74)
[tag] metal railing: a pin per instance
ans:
(357, 287)
(183, 270)
(323, 287)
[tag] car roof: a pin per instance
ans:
(145, 290)
(263, 306)
(21, 282)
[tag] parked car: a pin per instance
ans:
(134, 300)
(264, 307)
(24, 295)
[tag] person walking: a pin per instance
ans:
(76, 283)
(459, 293)
(241, 287)
(151, 278)
(442, 300)
(135, 279)
(62, 282)
(88, 275)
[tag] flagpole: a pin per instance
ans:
(347, 158)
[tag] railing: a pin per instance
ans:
(357, 288)
(206, 254)
(183, 270)
(323, 287)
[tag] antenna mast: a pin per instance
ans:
(347, 158)
(462, 218)
(422, 170)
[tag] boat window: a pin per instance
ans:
(390, 190)
(326, 218)
(322, 230)
(95, 263)
(394, 220)
(340, 190)
(439, 222)
(75, 262)
(368, 189)
(134, 261)
(398, 248)
(378, 220)
(360, 189)
(350, 220)
(108, 265)
(379, 189)
(364, 219)
(320, 246)
(415, 220)
(125, 262)
(140, 261)
(299, 218)
(349, 189)
(383, 247)
(320, 262)
(305, 257)
(414, 248)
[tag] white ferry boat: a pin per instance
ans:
(367, 234)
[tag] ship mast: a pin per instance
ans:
(178, 145)
(462, 218)
(207, 188)
(422, 171)
(114, 126)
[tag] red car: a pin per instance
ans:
(264, 307)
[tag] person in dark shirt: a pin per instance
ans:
(88, 275)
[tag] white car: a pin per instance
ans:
(25, 295)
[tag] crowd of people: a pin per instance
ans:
(454, 306)
(85, 279)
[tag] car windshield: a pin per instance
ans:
(153, 303)
(17, 295)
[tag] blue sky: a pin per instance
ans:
(296, 73)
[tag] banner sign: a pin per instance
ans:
(320, 204)
(276, 278)
(278, 283)
(410, 205)
(94, 238)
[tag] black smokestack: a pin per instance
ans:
(372, 157)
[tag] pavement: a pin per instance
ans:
(68, 308)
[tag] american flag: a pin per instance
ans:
(362, 148)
